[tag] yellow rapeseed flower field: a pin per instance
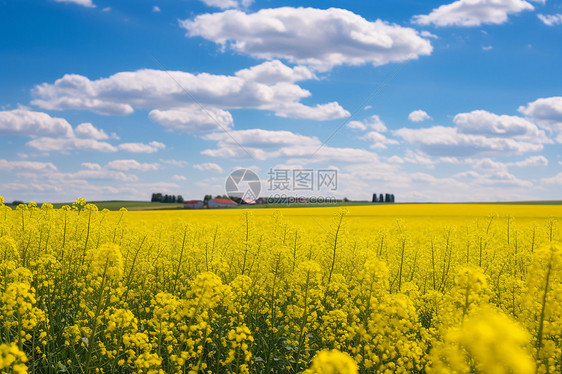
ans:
(366, 289)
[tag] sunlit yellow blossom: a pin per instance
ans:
(107, 261)
(8, 249)
(332, 362)
(488, 342)
(19, 313)
(542, 306)
(12, 360)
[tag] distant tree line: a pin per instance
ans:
(387, 198)
(160, 198)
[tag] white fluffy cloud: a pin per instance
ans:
(374, 123)
(259, 143)
(91, 166)
(321, 38)
(269, 86)
(228, 4)
(319, 112)
(499, 179)
(448, 141)
(490, 173)
(122, 165)
(84, 3)
(488, 165)
(473, 12)
(26, 165)
(395, 159)
(177, 177)
(87, 130)
(547, 112)
(151, 147)
(175, 163)
(291, 147)
(48, 144)
(418, 159)
(93, 174)
(193, 119)
(532, 161)
(53, 134)
(24, 122)
(481, 122)
(272, 72)
(478, 132)
(126, 165)
(340, 155)
(208, 166)
(418, 116)
(551, 19)
(379, 140)
(557, 179)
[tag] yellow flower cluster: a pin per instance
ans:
(12, 360)
(402, 289)
(487, 342)
(332, 362)
(20, 317)
(238, 342)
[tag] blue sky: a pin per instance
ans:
(431, 101)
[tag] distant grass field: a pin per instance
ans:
(364, 203)
(130, 205)
(545, 202)
(114, 205)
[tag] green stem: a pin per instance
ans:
(543, 309)
(96, 314)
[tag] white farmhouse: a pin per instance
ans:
(193, 204)
(221, 203)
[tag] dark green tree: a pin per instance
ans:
(206, 199)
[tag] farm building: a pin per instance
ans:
(193, 204)
(247, 200)
(221, 203)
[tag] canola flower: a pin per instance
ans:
(12, 359)
(332, 362)
(348, 291)
(486, 342)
